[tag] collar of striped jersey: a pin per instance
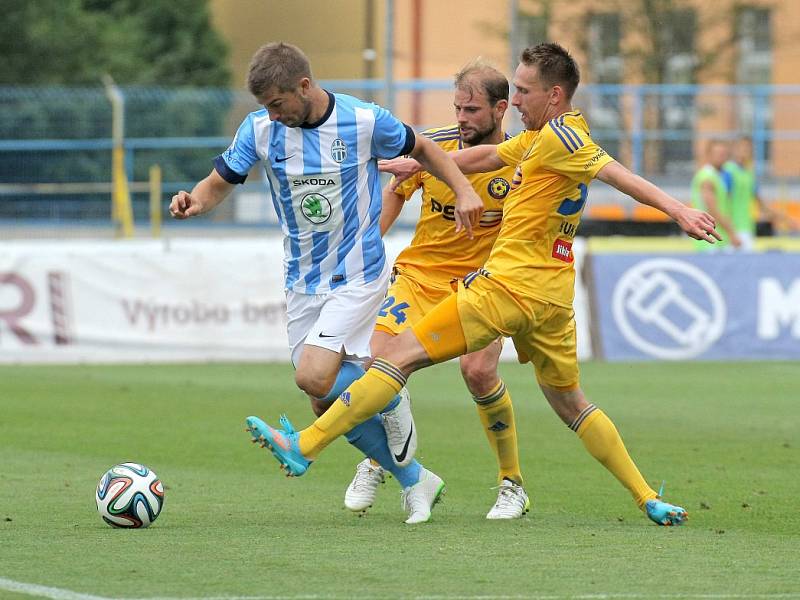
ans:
(331, 104)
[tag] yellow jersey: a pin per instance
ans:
(437, 254)
(532, 256)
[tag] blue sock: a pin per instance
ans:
(348, 373)
(394, 402)
(370, 438)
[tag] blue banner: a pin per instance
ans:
(705, 306)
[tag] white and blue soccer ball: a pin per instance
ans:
(129, 495)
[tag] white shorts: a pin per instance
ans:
(343, 318)
(748, 241)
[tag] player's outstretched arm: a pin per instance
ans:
(469, 207)
(207, 194)
(695, 223)
(477, 159)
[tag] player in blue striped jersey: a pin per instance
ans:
(320, 153)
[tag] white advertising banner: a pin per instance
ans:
(142, 301)
(151, 300)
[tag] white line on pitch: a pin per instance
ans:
(41, 591)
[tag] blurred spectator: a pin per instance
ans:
(709, 193)
(747, 206)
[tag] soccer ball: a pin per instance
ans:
(129, 495)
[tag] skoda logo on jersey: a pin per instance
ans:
(338, 150)
(498, 188)
(316, 208)
(668, 309)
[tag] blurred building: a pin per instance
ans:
(677, 44)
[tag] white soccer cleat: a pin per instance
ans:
(400, 431)
(512, 501)
(360, 494)
(419, 499)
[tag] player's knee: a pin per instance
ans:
(404, 352)
(480, 378)
(566, 402)
(313, 384)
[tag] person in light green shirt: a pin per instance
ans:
(746, 203)
(710, 194)
(741, 183)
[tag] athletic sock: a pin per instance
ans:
(370, 438)
(348, 373)
(364, 434)
(364, 398)
(602, 440)
(497, 416)
(392, 404)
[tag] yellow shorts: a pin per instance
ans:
(543, 333)
(406, 302)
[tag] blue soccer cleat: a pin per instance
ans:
(665, 513)
(281, 442)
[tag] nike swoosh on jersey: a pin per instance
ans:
(402, 456)
(279, 160)
(323, 335)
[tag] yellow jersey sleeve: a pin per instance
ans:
(513, 150)
(407, 188)
(567, 149)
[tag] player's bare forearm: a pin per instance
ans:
(478, 159)
(695, 223)
(638, 188)
(392, 206)
(205, 196)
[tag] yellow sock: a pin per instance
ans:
(602, 440)
(497, 416)
(364, 398)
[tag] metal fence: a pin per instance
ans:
(55, 142)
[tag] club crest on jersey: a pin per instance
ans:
(339, 150)
(345, 398)
(562, 250)
(316, 208)
(498, 188)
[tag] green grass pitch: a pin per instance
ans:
(725, 437)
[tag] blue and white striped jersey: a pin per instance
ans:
(325, 188)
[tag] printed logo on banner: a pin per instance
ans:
(18, 303)
(668, 308)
